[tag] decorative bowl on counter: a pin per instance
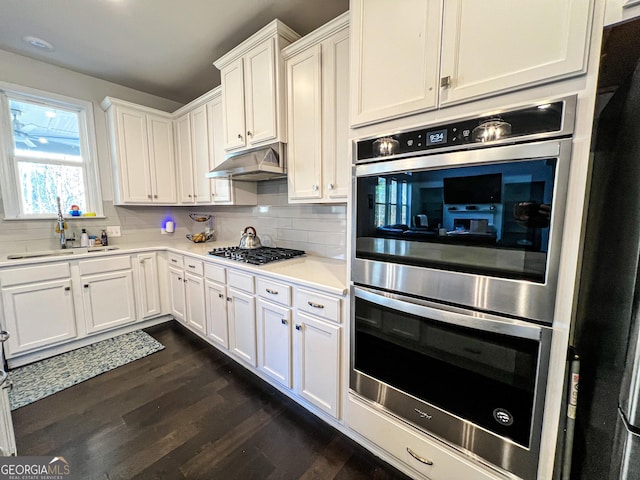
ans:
(200, 237)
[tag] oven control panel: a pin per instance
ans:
(541, 118)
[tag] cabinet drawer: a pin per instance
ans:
(398, 440)
(175, 260)
(241, 281)
(318, 304)
(194, 266)
(274, 291)
(101, 265)
(215, 273)
(41, 273)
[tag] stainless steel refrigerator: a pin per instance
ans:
(607, 326)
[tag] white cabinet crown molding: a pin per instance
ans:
(318, 35)
(201, 100)
(110, 101)
(276, 27)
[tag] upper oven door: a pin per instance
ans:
(480, 228)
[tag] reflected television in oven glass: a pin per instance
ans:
(490, 219)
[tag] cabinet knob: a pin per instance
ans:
(240, 136)
(86, 285)
(249, 133)
(142, 261)
(148, 196)
(330, 186)
(189, 195)
(283, 321)
(299, 327)
(220, 295)
(66, 289)
(315, 188)
(445, 82)
(179, 278)
(155, 196)
(228, 299)
(185, 280)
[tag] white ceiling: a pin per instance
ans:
(163, 47)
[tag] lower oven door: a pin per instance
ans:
(474, 380)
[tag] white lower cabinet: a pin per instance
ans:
(194, 295)
(147, 286)
(274, 341)
(242, 325)
(429, 457)
(217, 324)
(37, 313)
(317, 361)
(176, 293)
(108, 300)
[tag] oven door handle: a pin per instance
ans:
(453, 315)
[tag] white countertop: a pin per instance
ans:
(322, 273)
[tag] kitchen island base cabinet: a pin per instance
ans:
(317, 359)
(38, 314)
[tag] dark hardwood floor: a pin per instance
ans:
(188, 412)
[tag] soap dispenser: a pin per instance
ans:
(84, 238)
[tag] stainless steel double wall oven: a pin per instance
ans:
(456, 246)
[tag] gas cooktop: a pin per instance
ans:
(256, 256)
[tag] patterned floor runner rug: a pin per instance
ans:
(46, 377)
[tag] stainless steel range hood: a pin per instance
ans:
(262, 163)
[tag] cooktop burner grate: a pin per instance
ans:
(256, 256)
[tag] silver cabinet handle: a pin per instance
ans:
(4, 336)
(315, 305)
(272, 292)
(283, 321)
(418, 457)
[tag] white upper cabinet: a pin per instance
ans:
(395, 51)
(529, 42)
(416, 55)
(142, 153)
(317, 70)
(199, 149)
(253, 88)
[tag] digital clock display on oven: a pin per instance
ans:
(437, 137)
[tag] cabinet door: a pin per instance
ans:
(529, 42)
(395, 56)
(133, 156)
(260, 90)
(304, 110)
(232, 77)
(26, 306)
(242, 325)
(147, 291)
(317, 362)
(162, 165)
(184, 158)
(220, 187)
(200, 152)
(176, 291)
(194, 295)
(336, 148)
(108, 300)
(274, 341)
(216, 301)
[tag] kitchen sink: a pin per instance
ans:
(58, 253)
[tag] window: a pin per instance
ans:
(392, 202)
(48, 152)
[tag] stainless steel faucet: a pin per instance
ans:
(61, 225)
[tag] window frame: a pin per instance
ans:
(394, 200)
(9, 181)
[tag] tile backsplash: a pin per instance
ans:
(315, 228)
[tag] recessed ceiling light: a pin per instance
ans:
(38, 43)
